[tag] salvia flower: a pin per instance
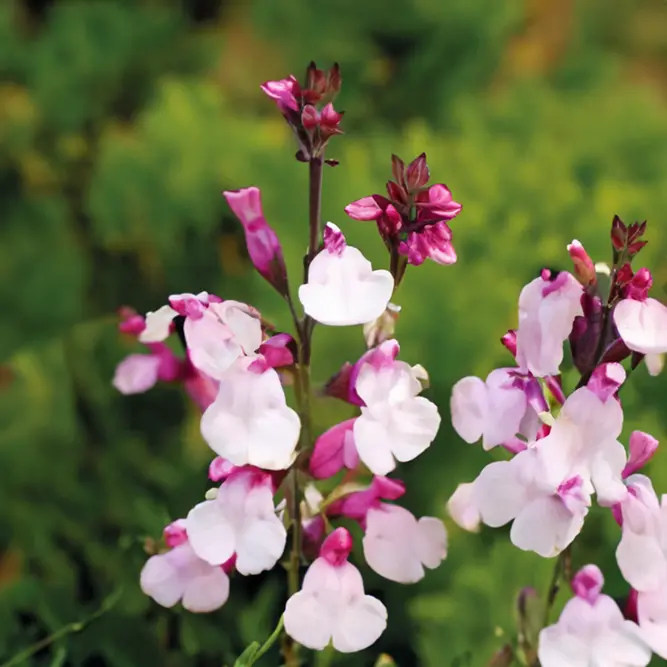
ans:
(342, 287)
(179, 575)
(332, 606)
(592, 631)
(308, 109)
(412, 219)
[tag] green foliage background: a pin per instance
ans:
(121, 122)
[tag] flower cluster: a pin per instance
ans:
(563, 449)
(274, 477)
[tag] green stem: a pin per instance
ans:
(69, 629)
(268, 643)
(290, 649)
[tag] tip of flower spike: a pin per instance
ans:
(587, 583)
(334, 240)
(337, 547)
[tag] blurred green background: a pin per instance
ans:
(121, 122)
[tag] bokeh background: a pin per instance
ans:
(121, 122)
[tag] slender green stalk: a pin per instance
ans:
(268, 643)
(290, 649)
(69, 629)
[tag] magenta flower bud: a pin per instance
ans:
(330, 121)
(334, 450)
(366, 208)
(584, 268)
(175, 534)
(587, 583)
(284, 92)
(279, 350)
(619, 234)
(509, 341)
(131, 322)
(639, 285)
(263, 245)
(642, 448)
(418, 173)
(606, 380)
(310, 118)
(337, 547)
(220, 469)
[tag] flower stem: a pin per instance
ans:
(314, 207)
(290, 649)
(268, 643)
(562, 572)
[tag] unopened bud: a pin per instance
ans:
(584, 268)
(385, 660)
(383, 328)
(417, 174)
(619, 234)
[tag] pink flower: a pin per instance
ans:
(584, 441)
(284, 91)
(433, 242)
(495, 410)
(250, 423)
(591, 630)
(461, 507)
(276, 350)
(547, 512)
(224, 333)
(136, 374)
(262, 242)
(334, 450)
(396, 424)
(180, 575)
(547, 309)
(642, 551)
(240, 520)
(642, 325)
(413, 218)
(584, 268)
(606, 380)
(159, 324)
(398, 546)
(331, 606)
(342, 288)
(642, 448)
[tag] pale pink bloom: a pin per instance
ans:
(584, 442)
(642, 551)
(591, 631)
(398, 546)
(334, 450)
(180, 575)
(342, 288)
(332, 606)
(547, 512)
(250, 423)
(240, 520)
(395, 423)
(642, 325)
(546, 315)
(642, 448)
(652, 619)
(494, 410)
(136, 373)
(262, 241)
(158, 325)
(461, 507)
(223, 333)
